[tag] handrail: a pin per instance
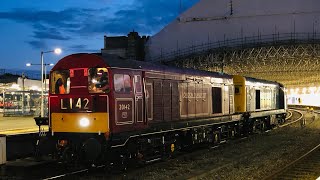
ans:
(242, 42)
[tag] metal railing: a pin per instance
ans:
(22, 103)
(242, 42)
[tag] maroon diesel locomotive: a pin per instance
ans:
(103, 108)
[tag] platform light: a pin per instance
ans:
(34, 88)
(84, 122)
(304, 90)
(312, 90)
(291, 91)
(15, 86)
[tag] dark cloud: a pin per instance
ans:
(34, 16)
(50, 35)
(82, 48)
(144, 16)
(37, 44)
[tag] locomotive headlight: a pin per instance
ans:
(84, 122)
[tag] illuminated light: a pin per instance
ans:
(34, 88)
(217, 80)
(304, 90)
(28, 64)
(84, 122)
(63, 143)
(297, 90)
(94, 81)
(57, 51)
(312, 89)
(291, 91)
(15, 86)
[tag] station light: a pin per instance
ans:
(312, 90)
(57, 51)
(15, 86)
(304, 90)
(34, 88)
(291, 91)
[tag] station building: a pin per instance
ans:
(20, 96)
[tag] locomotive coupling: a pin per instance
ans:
(91, 149)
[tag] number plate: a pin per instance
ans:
(82, 103)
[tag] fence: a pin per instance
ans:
(23, 103)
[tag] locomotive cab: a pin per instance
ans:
(79, 107)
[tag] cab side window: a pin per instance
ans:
(122, 83)
(98, 80)
(60, 82)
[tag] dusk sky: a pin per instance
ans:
(29, 27)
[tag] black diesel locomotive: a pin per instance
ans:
(103, 108)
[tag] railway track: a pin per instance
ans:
(295, 116)
(84, 171)
(184, 158)
(305, 167)
(68, 174)
(289, 120)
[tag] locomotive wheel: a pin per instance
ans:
(263, 126)
(68, 155)
(216, 137)
(234, 132)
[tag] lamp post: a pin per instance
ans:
(45, 71)
(56, 51)
(23, 77)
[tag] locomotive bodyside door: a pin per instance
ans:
(139, 97)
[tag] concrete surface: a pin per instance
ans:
(17, 125)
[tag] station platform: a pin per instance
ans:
(18, 125)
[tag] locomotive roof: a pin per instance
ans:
(261, 81)
(115, 61)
